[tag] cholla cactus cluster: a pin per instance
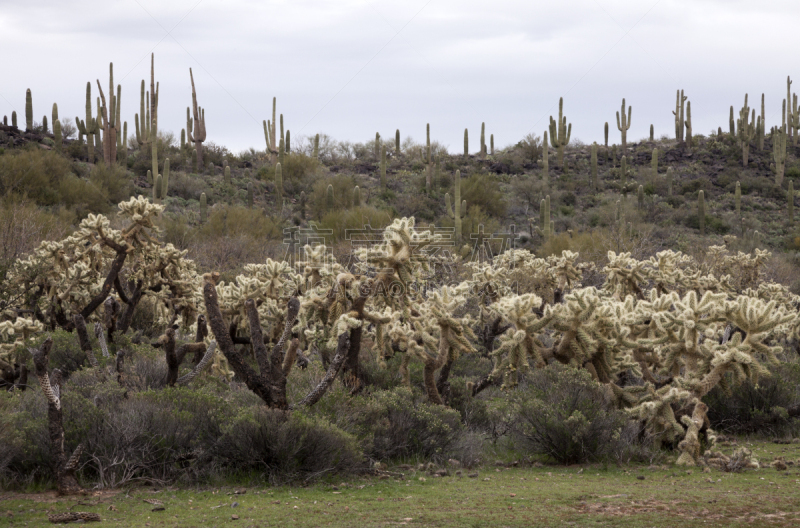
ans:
(659, 334)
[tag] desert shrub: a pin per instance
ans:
(561, 412)
(762, 407)
(234, 220)
(483, 191)
(530, 146)
(713, 224)
(342, 194)
(285, 447)
(340, 220)
(185, 186)
(693, 186)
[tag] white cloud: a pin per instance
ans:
(350, 68)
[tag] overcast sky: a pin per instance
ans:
(350, 68)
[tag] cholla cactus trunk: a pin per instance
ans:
(594, 166)
(57, 134)
(652, 138)
(466, 142)
(28, 111)
(654, 161)
(383, 166)
(315, 153)
(458, 209)
(624, 124)
(279, 183)
(203, 208)
(701, 211)
(560, 133)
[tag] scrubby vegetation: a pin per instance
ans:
(323, 307)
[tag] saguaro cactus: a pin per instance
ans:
(546, 159)
(28, 111)
(55, 114)
(227, 175)
(14, 118)
(383, 166)
(654, 161)
(397, 141)
(458, 209)
(545, 229)
(483, 140)
(57, 134)
(606, 134)
(194, 161)
(109, 120)
(652, 133)
(315, 153)
(624, 123)
(44, 125)
(288, 142)
(197, 134)
(790, 200)
(89, 127)
(747, 130)
(491, 144)
(594, 166)
(428, 160)
(669, 181)
(737, 198)
(732, 123)
(789, 115)
(560, 132)
(157, 189)
(270, 135)
(701, 211)
(466, 143)
(623, 170)
(640, 196)
(203, 207)
(680, 99)
(165, 179)
(281, 151)
(356, 196)
(688, 123)
(779, 152)
(329, 198)
(762, 125)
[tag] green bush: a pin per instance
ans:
(340, 220)
(482, 190)
(559, 411)
(762, 407)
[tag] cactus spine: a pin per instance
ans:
(315, 153)
(560, 133)
(680, 100)
(458, 209)
(383, 166)
(466, 143)
(28, 111)
(87, 128)
(779, 153)
(654, 161)
(594, 166)
(356, 196)
(279, 181)
(701, 211)
(624, 123)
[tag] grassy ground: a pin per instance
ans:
(497, 497)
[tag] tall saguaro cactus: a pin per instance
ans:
(198, 132)
(545, 160)
(606, 134)
(459, 208)
(688, 123)
(383, 166)
(397, 141)
(594, 166)
(790, 200)
(89, 127)
(680, 101)
(624, 123)
(483, 140)
(746, 130)
(762, 125)
(779, 152)
(789, 114)
(279, 182)
(270, 134)
(109, 117)
(560, 132)
(28, 111)
(544, 218)
(315, 153)
(147, 137)
(466, 142)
